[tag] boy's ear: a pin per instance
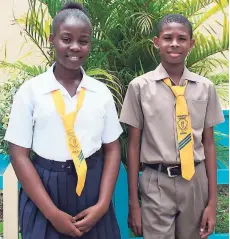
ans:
(156, 42)
(192, 43)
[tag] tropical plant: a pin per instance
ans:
(123, 31)
(7, 92)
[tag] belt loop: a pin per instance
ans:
(69, 168)
(159, 168)
(51, 165)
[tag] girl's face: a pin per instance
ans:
(72, 43)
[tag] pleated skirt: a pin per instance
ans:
(60, 181)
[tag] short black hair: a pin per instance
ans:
(70, 10)
(177, 18)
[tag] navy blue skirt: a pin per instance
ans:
(60, 181)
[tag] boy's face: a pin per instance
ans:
(174, 43)
(72, 43)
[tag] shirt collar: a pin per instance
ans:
(50, 82)
(160, 73)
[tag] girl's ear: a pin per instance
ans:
(51, 39)
(156, 42)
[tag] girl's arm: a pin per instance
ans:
(32, 185)
(30, 181)
(112, 159)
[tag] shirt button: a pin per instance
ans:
(63, 166)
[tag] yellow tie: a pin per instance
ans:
(184, 130)
(72, 141)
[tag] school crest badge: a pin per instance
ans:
(182, 123)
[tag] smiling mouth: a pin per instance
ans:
(174, 54)
(73, 58)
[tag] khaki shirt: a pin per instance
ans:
(149, 105)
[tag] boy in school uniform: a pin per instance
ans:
(174, 110)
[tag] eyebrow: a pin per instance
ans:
(85, 35)
(169, 33)
(70, 34)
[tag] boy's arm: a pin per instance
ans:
(133, 164)
(209, 215)
(132, 115)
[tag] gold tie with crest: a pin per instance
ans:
(72, 141)
(184, 130)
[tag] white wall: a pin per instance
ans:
(10, 34)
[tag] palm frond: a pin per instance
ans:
(112, 83)
(36, 27)
(205, 47)
(161, 8)
(192, 7)
(53, 5)
(30, 71)
(225, 37)
(223, 93)
(221, 81)
(143, 21)
(201, 17)
(209, 65)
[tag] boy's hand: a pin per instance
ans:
(134, 220)
(64, 223)
(208, 221)
(86, 219)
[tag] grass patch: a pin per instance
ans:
(1, 228)
(222, 217)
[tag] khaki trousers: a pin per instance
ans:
(172, 208)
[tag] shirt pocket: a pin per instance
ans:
(197, 111)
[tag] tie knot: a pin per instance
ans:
(178, 90)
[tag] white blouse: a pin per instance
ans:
(34, 122)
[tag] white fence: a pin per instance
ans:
(10, 202)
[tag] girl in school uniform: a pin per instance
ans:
(66, 118)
